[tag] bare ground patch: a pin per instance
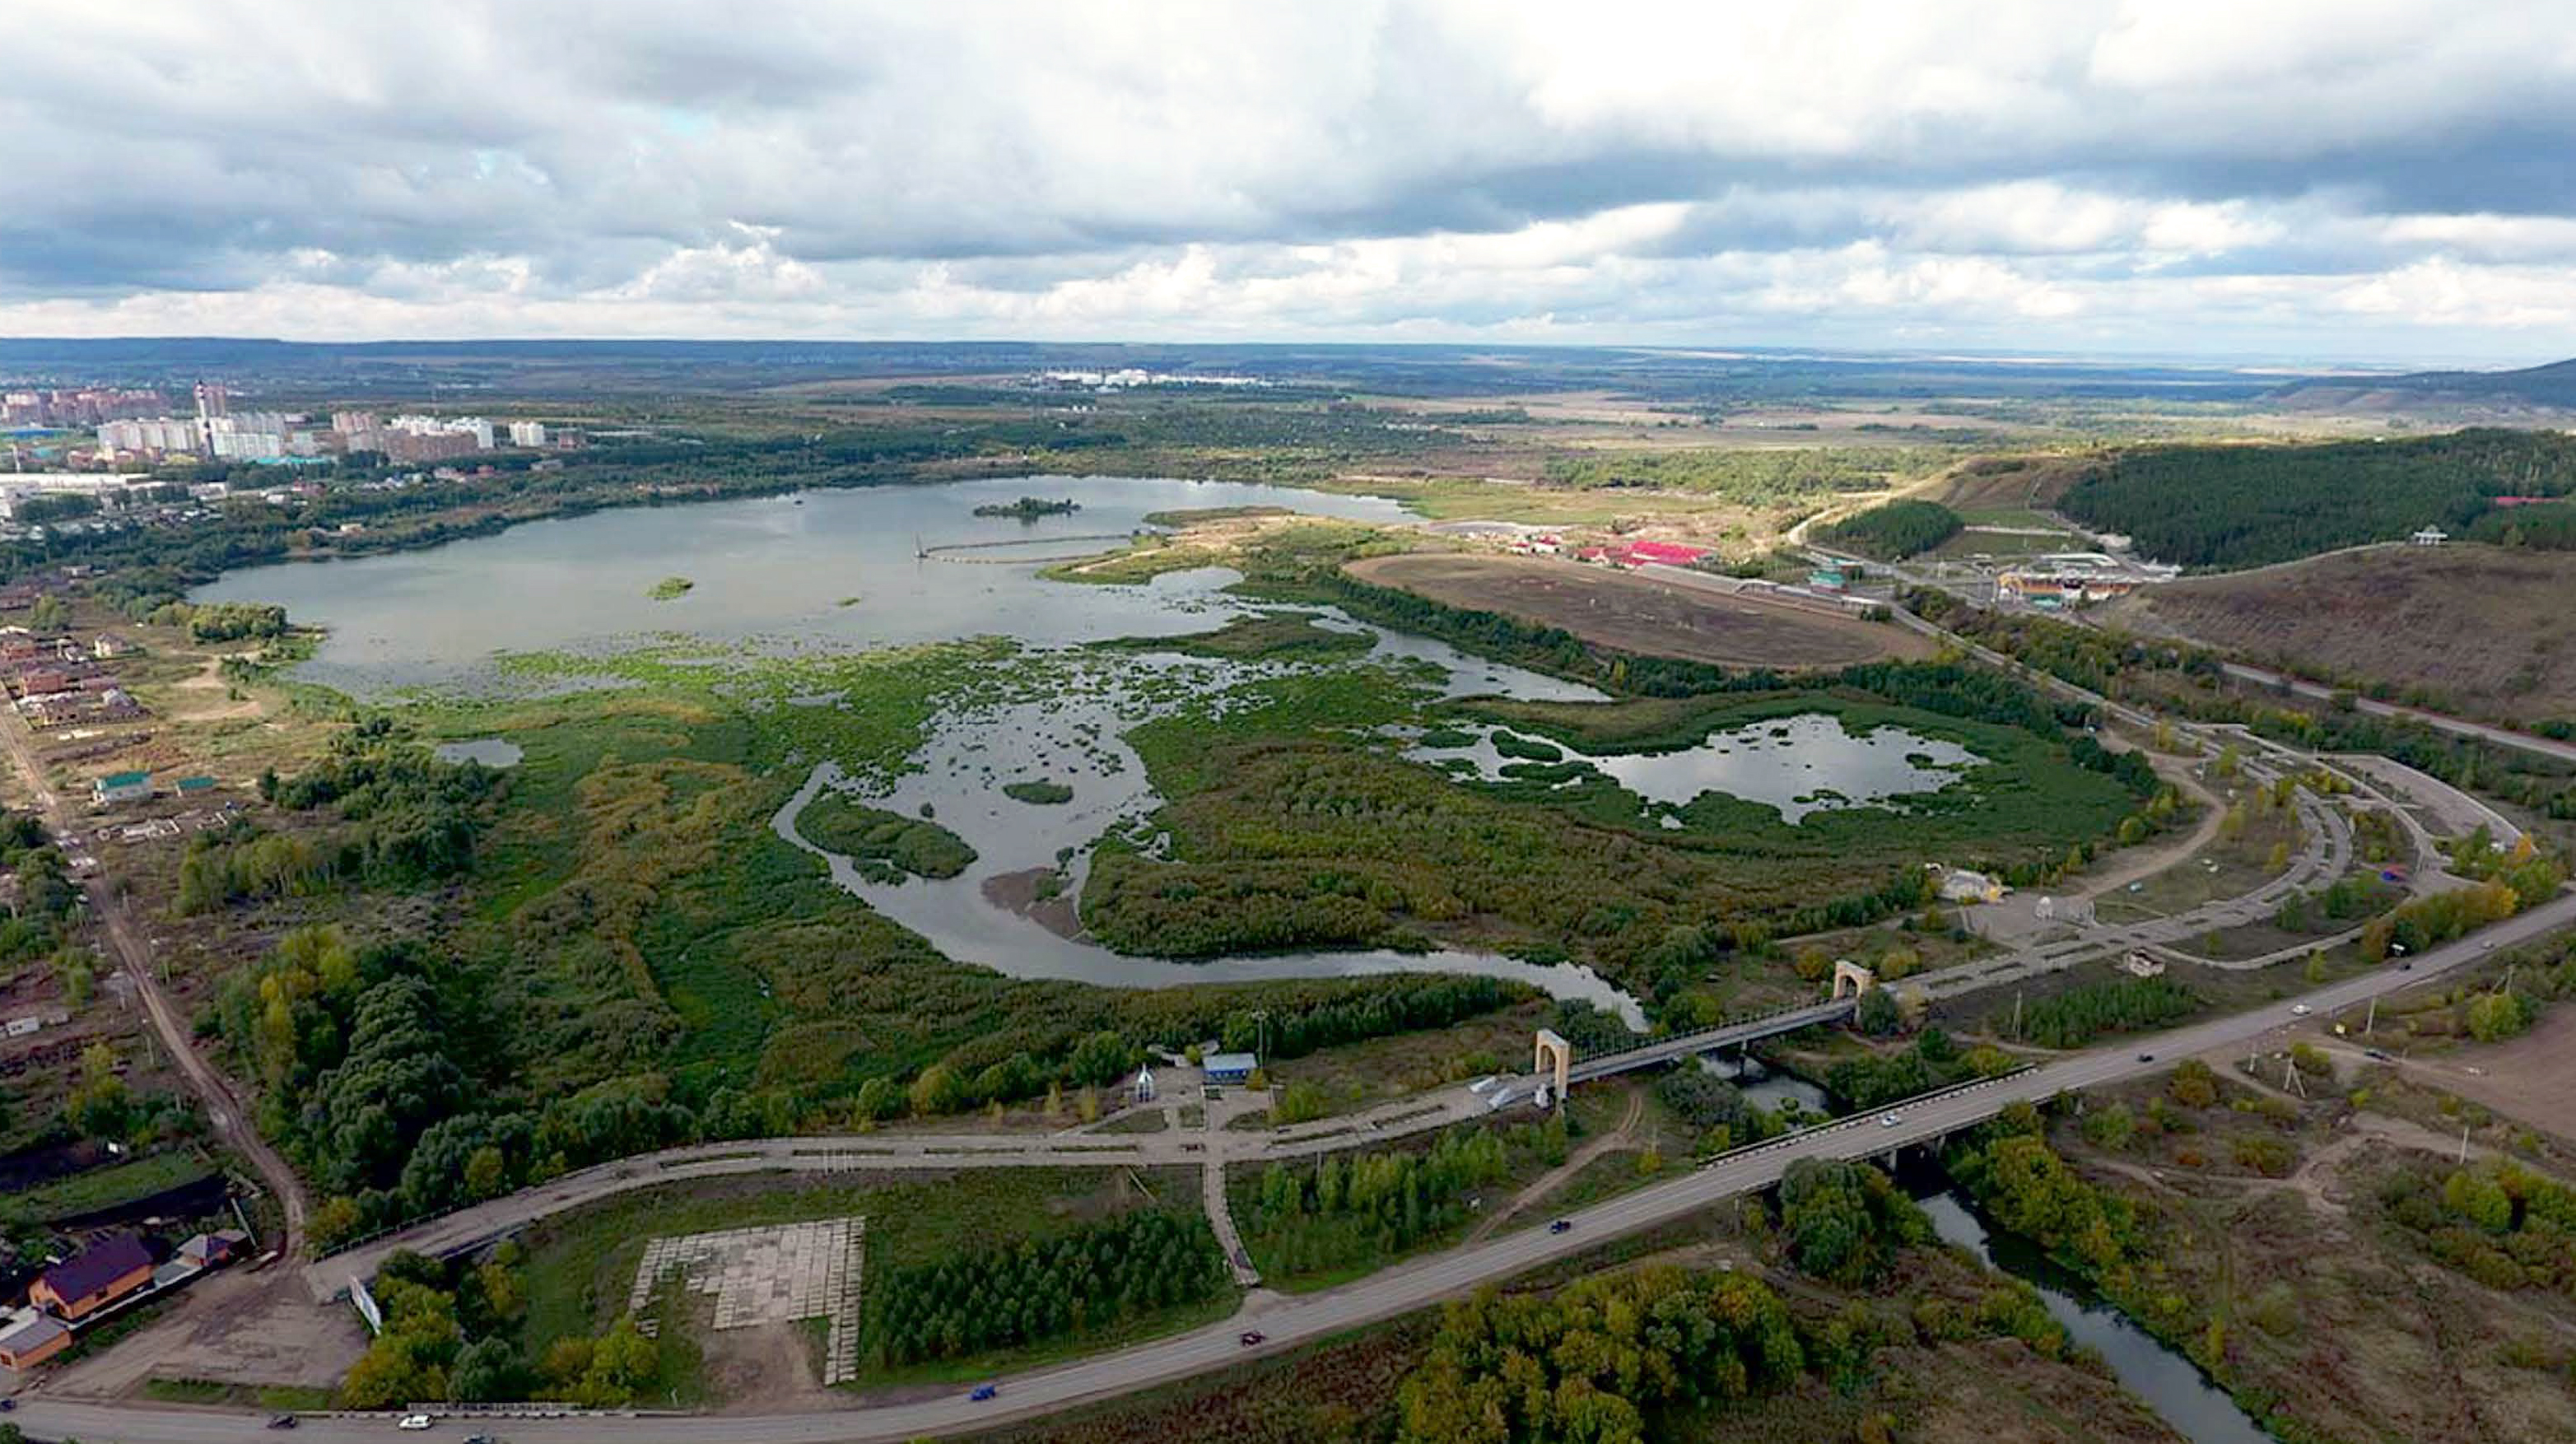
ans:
(1629, 613)
(2489, 628)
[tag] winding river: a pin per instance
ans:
(845, 570)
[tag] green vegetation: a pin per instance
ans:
(1030, 508)
(1932, 1060)
(1894, 531)
(1591, 1362)
(1847, 1221)
(1762, 478)
(1042, 792)
(670, 589)
(1189, 516)
(886, 846)
(1009, 1295)
(2500, 1223)
(2080, 1014)
(104, 1188)
(1263, 635)
(580, 1266)
(2241, 505)
(1353, 1212)
(403, 819)
(446, 1336)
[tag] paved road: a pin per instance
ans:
(1291, 1321)
(2457, 727)
(223, 1107)
(483, 1223)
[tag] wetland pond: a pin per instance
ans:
(844, 571)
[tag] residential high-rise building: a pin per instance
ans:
(527, 433)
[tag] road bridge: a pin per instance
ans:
(1293, 1322)
(1710, 1040)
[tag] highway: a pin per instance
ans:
(1288, 1322)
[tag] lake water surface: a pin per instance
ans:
(834, 566)
(844, 570)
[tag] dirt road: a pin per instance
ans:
(223, 1106)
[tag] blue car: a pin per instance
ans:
(984, 1392)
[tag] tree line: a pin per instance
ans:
(1894, 531)
(1005, 1296)
(1361, 1207)
(2226, 506)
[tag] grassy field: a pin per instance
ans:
(102, 1188)
(2477, 628)
(580, 1265)
(1631, 614)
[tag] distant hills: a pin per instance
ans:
(2552, 386)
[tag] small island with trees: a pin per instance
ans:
(1030, 508)
(670, 589)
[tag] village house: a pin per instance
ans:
(28, 1338)
(93, 1278)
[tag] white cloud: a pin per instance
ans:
(2174, 174)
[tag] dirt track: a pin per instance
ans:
(1633, 614)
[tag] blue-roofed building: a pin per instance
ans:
(1229, 1067)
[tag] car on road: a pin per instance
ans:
(2300, 1010)
(1251, 1338)
(2487, 945)
(283, 1421)
(413, 1421)
(481, 1439)
(1562, 1225)
(984, 1392)
(2146, 1057)
(2375, 1054)
(1890, 1120)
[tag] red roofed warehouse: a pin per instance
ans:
(1671, 554)
(93, 1278)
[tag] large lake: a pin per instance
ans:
(775, 565)
(844, 569)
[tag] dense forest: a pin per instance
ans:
(1006, 1295)
(1894, 531)
(1351, 1209)
(2247, 505)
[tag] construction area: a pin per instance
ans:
(783, 1274)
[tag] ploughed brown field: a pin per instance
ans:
(2486, 628)
(1630, 613)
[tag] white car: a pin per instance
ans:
(2299, 1010)
(413, 1421)
(1890, 1120)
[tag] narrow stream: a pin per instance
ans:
(2171, 1384)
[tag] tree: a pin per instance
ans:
(1101, 1058)
(2110, 1126)
(1877, 1014)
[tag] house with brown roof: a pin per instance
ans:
(93, 1278)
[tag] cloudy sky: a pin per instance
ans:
(2364, 179)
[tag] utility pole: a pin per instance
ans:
(2372, 1021)
(2464, 1145)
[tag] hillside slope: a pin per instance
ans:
(2483, 629)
